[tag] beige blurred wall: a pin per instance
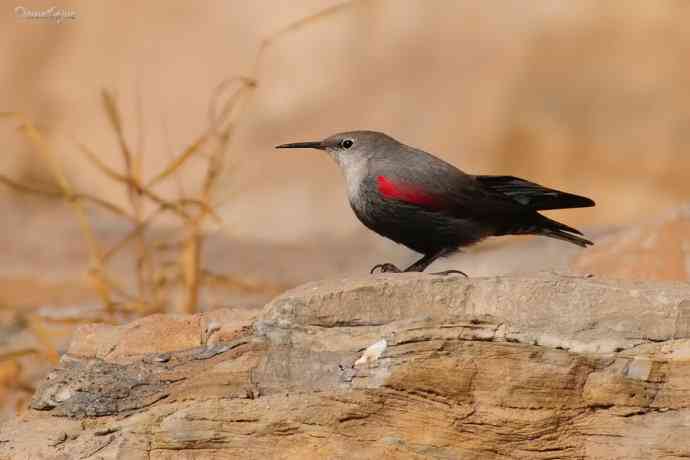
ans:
(588, 96)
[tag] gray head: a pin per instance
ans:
(349, 147)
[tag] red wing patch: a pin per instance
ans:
(407, 193)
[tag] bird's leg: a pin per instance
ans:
(427, 260)
(418, 266)
(424, 262)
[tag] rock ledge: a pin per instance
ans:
(396, 366)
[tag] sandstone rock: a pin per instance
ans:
(656, 251)
(401, 366)
(158, 334)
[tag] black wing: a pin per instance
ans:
(531, 195)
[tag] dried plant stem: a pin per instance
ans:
(296, 25)
(134, 192)
(153, 275)
(191, 265)
(96, 265)
(25, 188)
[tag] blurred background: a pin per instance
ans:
(589, 97)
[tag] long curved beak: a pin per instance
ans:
(302, 145)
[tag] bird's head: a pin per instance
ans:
(349, 146)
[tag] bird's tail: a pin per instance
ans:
(553, 229)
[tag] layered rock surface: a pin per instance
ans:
(396, 366)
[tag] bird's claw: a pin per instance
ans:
(385, 268)
(451, 272)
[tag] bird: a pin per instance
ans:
(428, 205)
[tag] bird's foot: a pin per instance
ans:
(385, 268)
(451, 272)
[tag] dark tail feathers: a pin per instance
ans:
(552, 229)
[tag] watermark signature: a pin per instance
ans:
(55, 14)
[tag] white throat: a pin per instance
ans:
(355, 170)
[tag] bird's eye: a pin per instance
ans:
(347, 143)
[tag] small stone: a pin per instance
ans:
(372, 353)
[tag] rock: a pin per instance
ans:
(656, 251)
(158, 334)
(93, 388)
(391, 366)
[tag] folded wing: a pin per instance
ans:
(531, 195)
